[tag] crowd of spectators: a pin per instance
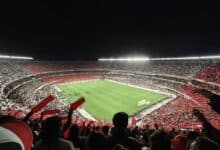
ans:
(17, 92)
(10, 71)
(210, 73)
(177, 68)
(178, 111)
(71, 77)
(49, 66)
(52, 133)
(145, 82)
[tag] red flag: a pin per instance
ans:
(77, 103)
(51, 112)
(43, 103)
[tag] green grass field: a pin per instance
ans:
(105, 98)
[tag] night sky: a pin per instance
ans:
(91, 29)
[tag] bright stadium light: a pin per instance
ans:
(136, 59)
(167, 58)
(188, 58)
(16, 57)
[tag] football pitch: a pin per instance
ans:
(104, 98)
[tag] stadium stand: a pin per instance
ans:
(210, 74)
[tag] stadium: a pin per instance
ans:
(105, 75)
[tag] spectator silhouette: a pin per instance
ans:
(159, 141)
(96, 141)
(120, 133)
(49, 138)
(74, 136)
(105, 130)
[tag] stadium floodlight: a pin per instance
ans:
(167, 58)
(188, 58)
(16, 57)
(136, 59)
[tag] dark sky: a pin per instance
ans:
(92, 29)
